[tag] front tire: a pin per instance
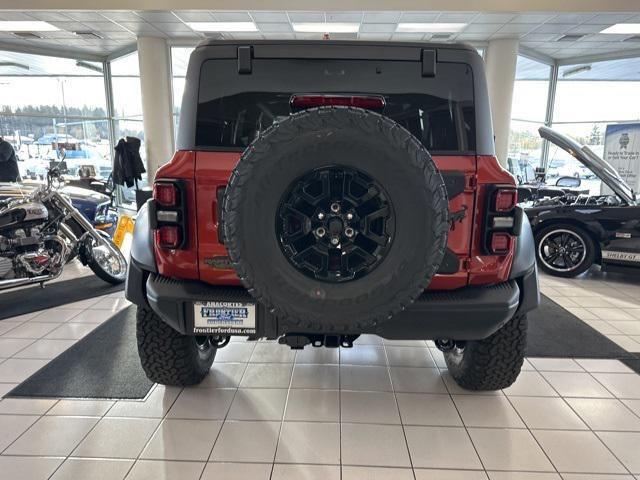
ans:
(168, 357)
(564, 250)
(111, 269)
(492, 363)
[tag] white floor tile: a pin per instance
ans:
(165, 470)
(487, 411)
(267, 375)
(523, 452)
(10, 346)
(272, 353)
(363, 355)
(246, 442)
(428, 409)
(26, 406)
(417, 380)
(258, 404)
(52, 436)
(16, 370)
(307, 472)
(358, 377)
(605, 414)
(431, 447)
(155, 405)
(547, 413)
(622, 385)
(316, 376)
(573, 384)
(28, 468)
(45, 349)
(202, 403)
(625, 446)
(369, 407)
(182, 440)
(434, 474)
(409, 357)
(376, 473)
(237, 471)
(302, 442)
(577, 452)
(313, 405)
(374, 445)
(12, 426)
(117, 438)
(31, 330)
(94, 469)
(81, 408)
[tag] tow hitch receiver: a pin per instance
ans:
(299, 341)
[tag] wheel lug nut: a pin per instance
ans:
(349, 232)
(320, 215)
(335, 241)
(349, 216)
(320, 231)
(335, 207)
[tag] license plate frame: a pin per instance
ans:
(224, 318)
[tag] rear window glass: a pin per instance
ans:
(234, 108)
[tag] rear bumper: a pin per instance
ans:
(469, 313)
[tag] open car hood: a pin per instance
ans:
(597, 165)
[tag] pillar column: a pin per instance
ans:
(154, 57)
(501, 58)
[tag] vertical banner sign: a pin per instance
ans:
(622, 151)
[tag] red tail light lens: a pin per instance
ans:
(500, 243)
(370, 102)
(506, 200)
(168, 237)
(165, 194)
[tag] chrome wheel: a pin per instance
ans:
(562, 250)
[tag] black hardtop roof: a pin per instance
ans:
(352, 43)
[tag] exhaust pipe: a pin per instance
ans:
(19, 282)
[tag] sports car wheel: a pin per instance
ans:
(564, 250)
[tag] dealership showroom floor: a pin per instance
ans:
(82, 82)
(381, 410)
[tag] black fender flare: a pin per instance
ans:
(143, 261)
(524, 268)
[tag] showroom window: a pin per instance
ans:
(53, 109)
(179, 63)
(528, 113)
(589, 97)
(127, 111)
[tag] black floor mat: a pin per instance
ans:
(104, 364)
(556, 332)
(54, 294)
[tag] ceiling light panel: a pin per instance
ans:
(623, 29)
(326, 27)
(27, 26)
(223, 26)
(430, 27)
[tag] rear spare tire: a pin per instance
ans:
(336, 218)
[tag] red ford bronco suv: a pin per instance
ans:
(324, 190)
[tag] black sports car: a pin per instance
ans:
(574, 231)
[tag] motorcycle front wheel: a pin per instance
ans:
(110, 266)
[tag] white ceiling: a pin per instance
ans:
(539, 32)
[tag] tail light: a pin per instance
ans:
(165, 194)
(369, 102)
(502, 220)
(168, 237)
(167, 214)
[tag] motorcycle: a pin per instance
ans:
(42, 231)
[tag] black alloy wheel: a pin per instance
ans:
(335, 224)
(564, 250)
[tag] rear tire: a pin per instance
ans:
(168, 357)
(493, 363)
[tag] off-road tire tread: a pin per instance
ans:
(370, 123)
(493, 363)
(167, 357)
